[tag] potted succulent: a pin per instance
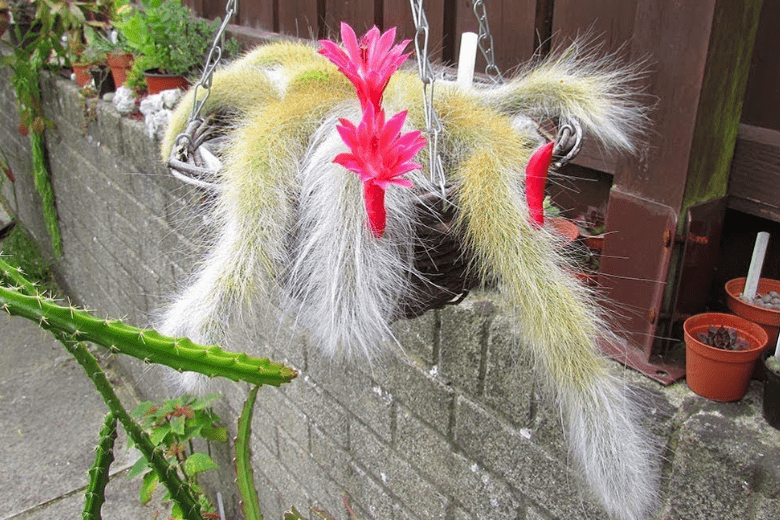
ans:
(721, 353)
(169, 40)
(763, 308)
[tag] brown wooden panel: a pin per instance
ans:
(357, 13)
(610, 22)
(674, 37)
(512, 23)
(258, 14)
(299, 18)
(398, 14)
(762, 99)
(754, 185)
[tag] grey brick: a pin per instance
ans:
(417, 337)
(425, 395)
(510, 453)
(386, 466)
(357, 393)
(314, 402)
(509, 379)
(462, 332)
(330, 456)
(369, 495)
(286, 486)
(470, 486)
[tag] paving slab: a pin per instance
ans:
(50, 415)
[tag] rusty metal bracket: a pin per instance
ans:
(635, 261)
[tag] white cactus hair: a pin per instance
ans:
(292, 228)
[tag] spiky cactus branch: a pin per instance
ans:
(99, 472)
(250, 503)
(146, 344)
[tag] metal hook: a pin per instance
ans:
(568, 142)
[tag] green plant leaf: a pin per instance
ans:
(177, 425)
(215, 433)
(250, 502)
(138, 468)
(148, 487)
(159, 433)
(198, 463)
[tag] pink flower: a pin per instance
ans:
(380, 155)
(367, 63)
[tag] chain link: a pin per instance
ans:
(428, 78)
(485, 41)
(213, 59)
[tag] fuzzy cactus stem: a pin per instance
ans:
(145, 344)
(99, 472)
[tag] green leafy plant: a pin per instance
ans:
(166, 35)
(173, 426)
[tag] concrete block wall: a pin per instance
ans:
(453, 429)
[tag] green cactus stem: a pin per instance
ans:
(250, 502)
(99, 472)
(145, 344)
(180, 492)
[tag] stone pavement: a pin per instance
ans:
(50, 416)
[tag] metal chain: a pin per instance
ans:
(194, 135)
(213, 59)
(428, 78)
(485, 41)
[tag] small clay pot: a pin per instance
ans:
(83, 77)
(157, 82)
(120, 65)
(768, 319)
(717, 374)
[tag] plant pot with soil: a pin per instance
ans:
(764, 309)
(771, 403)
(721, 353)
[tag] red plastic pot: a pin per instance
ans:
(156, 82)
(565, 228)
(83, 77)
(721, 375)
(768, 319)
(120, 64)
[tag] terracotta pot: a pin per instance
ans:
(769, 319)
(83, 77)
(563, 227)
(120, 65)
(594, 242)
(5, 21)
(771, 404)
(156, 82)
(721, 375)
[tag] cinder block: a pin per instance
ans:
(330, 456)
(398, 476)
(314, 402)
(467, 484)
(509, 378)
(419, 391)
(368, 495)
(356, 392)
(287, 486)
(463, 329)
(417, 337)
(511, 454)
